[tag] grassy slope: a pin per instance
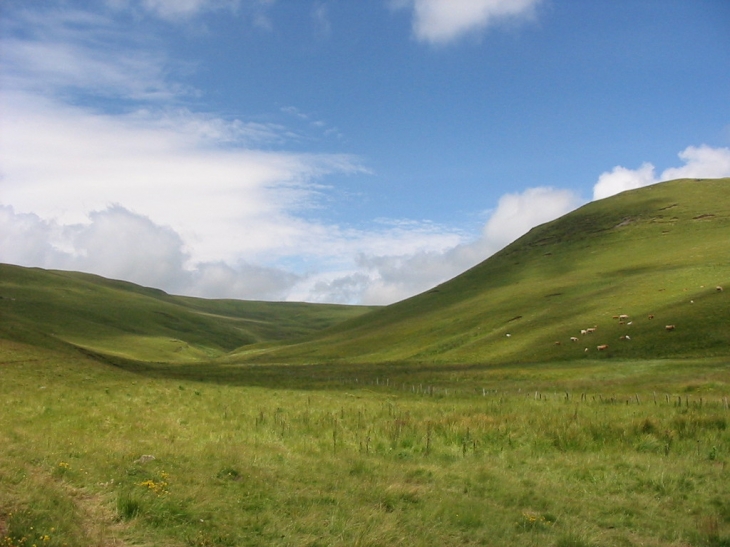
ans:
(55, 308)
(659, 250)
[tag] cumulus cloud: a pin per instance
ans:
(620, 179)
(26, 239)
(699, 162)
(382, 278)
(244, 281)
(119, 244)
(516, 214)
(113, 242)
(442, 21)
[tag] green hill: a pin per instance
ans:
(659, 251)
(57, 309)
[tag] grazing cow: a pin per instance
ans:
(557, 342)
(602, 347)
(718, 288)
(651, 316)
(670, 327)
(573, 339)
(623, 317)
(583, 331)
(625, 337)
(591, 330)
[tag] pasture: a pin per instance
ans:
(482, 412)
(589, 453)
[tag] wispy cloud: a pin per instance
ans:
(321, 20)
(175, 10)
(443, 21)
(68, 53)
(61, 162)
(699, 162)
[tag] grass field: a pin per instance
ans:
(133, 417)
(594, 453)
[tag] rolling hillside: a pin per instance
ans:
(660, 251)
(57, 310)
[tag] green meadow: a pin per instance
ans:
(133, 417)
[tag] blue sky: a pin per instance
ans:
(338, 151)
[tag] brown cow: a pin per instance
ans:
(602, 347)
(670, 327)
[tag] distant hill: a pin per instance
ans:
(62, 310)
(656, 255)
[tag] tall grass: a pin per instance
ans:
(99, 455)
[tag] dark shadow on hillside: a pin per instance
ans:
(414, 377)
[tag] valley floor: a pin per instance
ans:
(590, 453)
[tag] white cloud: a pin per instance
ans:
(61, 162)
(244, 281)
(516, 214)
(442, 21)
(114, 243)
(118, 244)
(699, 162)
(160, 195)
(383, 277)
(621, 179)
(67, 50)
(26, 239)
(187, 201)
(150, 198)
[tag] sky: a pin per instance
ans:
(345, 151)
